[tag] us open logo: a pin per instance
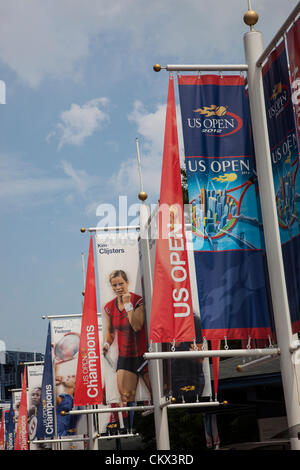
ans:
(2, 92)
(215, 121)
(279, 99)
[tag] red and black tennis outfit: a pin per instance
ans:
(132, 345)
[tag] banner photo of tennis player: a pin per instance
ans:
(285, 164)
(125, 373)
(223, 191)
(16, 399)
(65, 339)
(293, 45)
(34, 383)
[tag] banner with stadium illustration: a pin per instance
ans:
(285, 163)
(124, 341)
(223, 191)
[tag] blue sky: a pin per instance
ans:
(80, 89)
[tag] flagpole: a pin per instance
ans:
(83, 274)
(139, 164)
(253, 45)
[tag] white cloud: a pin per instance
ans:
(150, 126)
(79, 178)
(22, 185)
(80, 122)
(42, 39)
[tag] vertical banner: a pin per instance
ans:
(10, 428)
(21, 441)
(190, 378)
(34, 381)
(88, 386)
(125, 372)
(46, 409)
(171, 309)
(222, 186)
(285, 163)
(2, 432)
(215, 345)
(65, 339)
(184, 379)
(293, 44)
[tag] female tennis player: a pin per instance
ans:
(125, 315)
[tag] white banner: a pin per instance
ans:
(125, 375)
(16, 397)
(65, 338)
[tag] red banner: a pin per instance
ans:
(2, 432)
(171, 310)
(21, 442)
(293, 42)
(88, 387)
(215, 345)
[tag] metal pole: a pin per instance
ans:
(196, 405)
(110, 229)
(155, 368)
(212, 353)
(90, 424)
(246, 365)
(139, 163)
(83, 270)
(201, 68)
(253, 44)
(88, 411)
(71, 315)
(60, 440)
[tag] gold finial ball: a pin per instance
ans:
(225, 402)
(173, 400)
(82, 230)
(250, 18)
(143, 196)
(238, 368)
(156, 68)
(83, 292)
(63, 413)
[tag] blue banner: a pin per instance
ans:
(222, 185)
(46, 412)
(10, 428)
(285, 163)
